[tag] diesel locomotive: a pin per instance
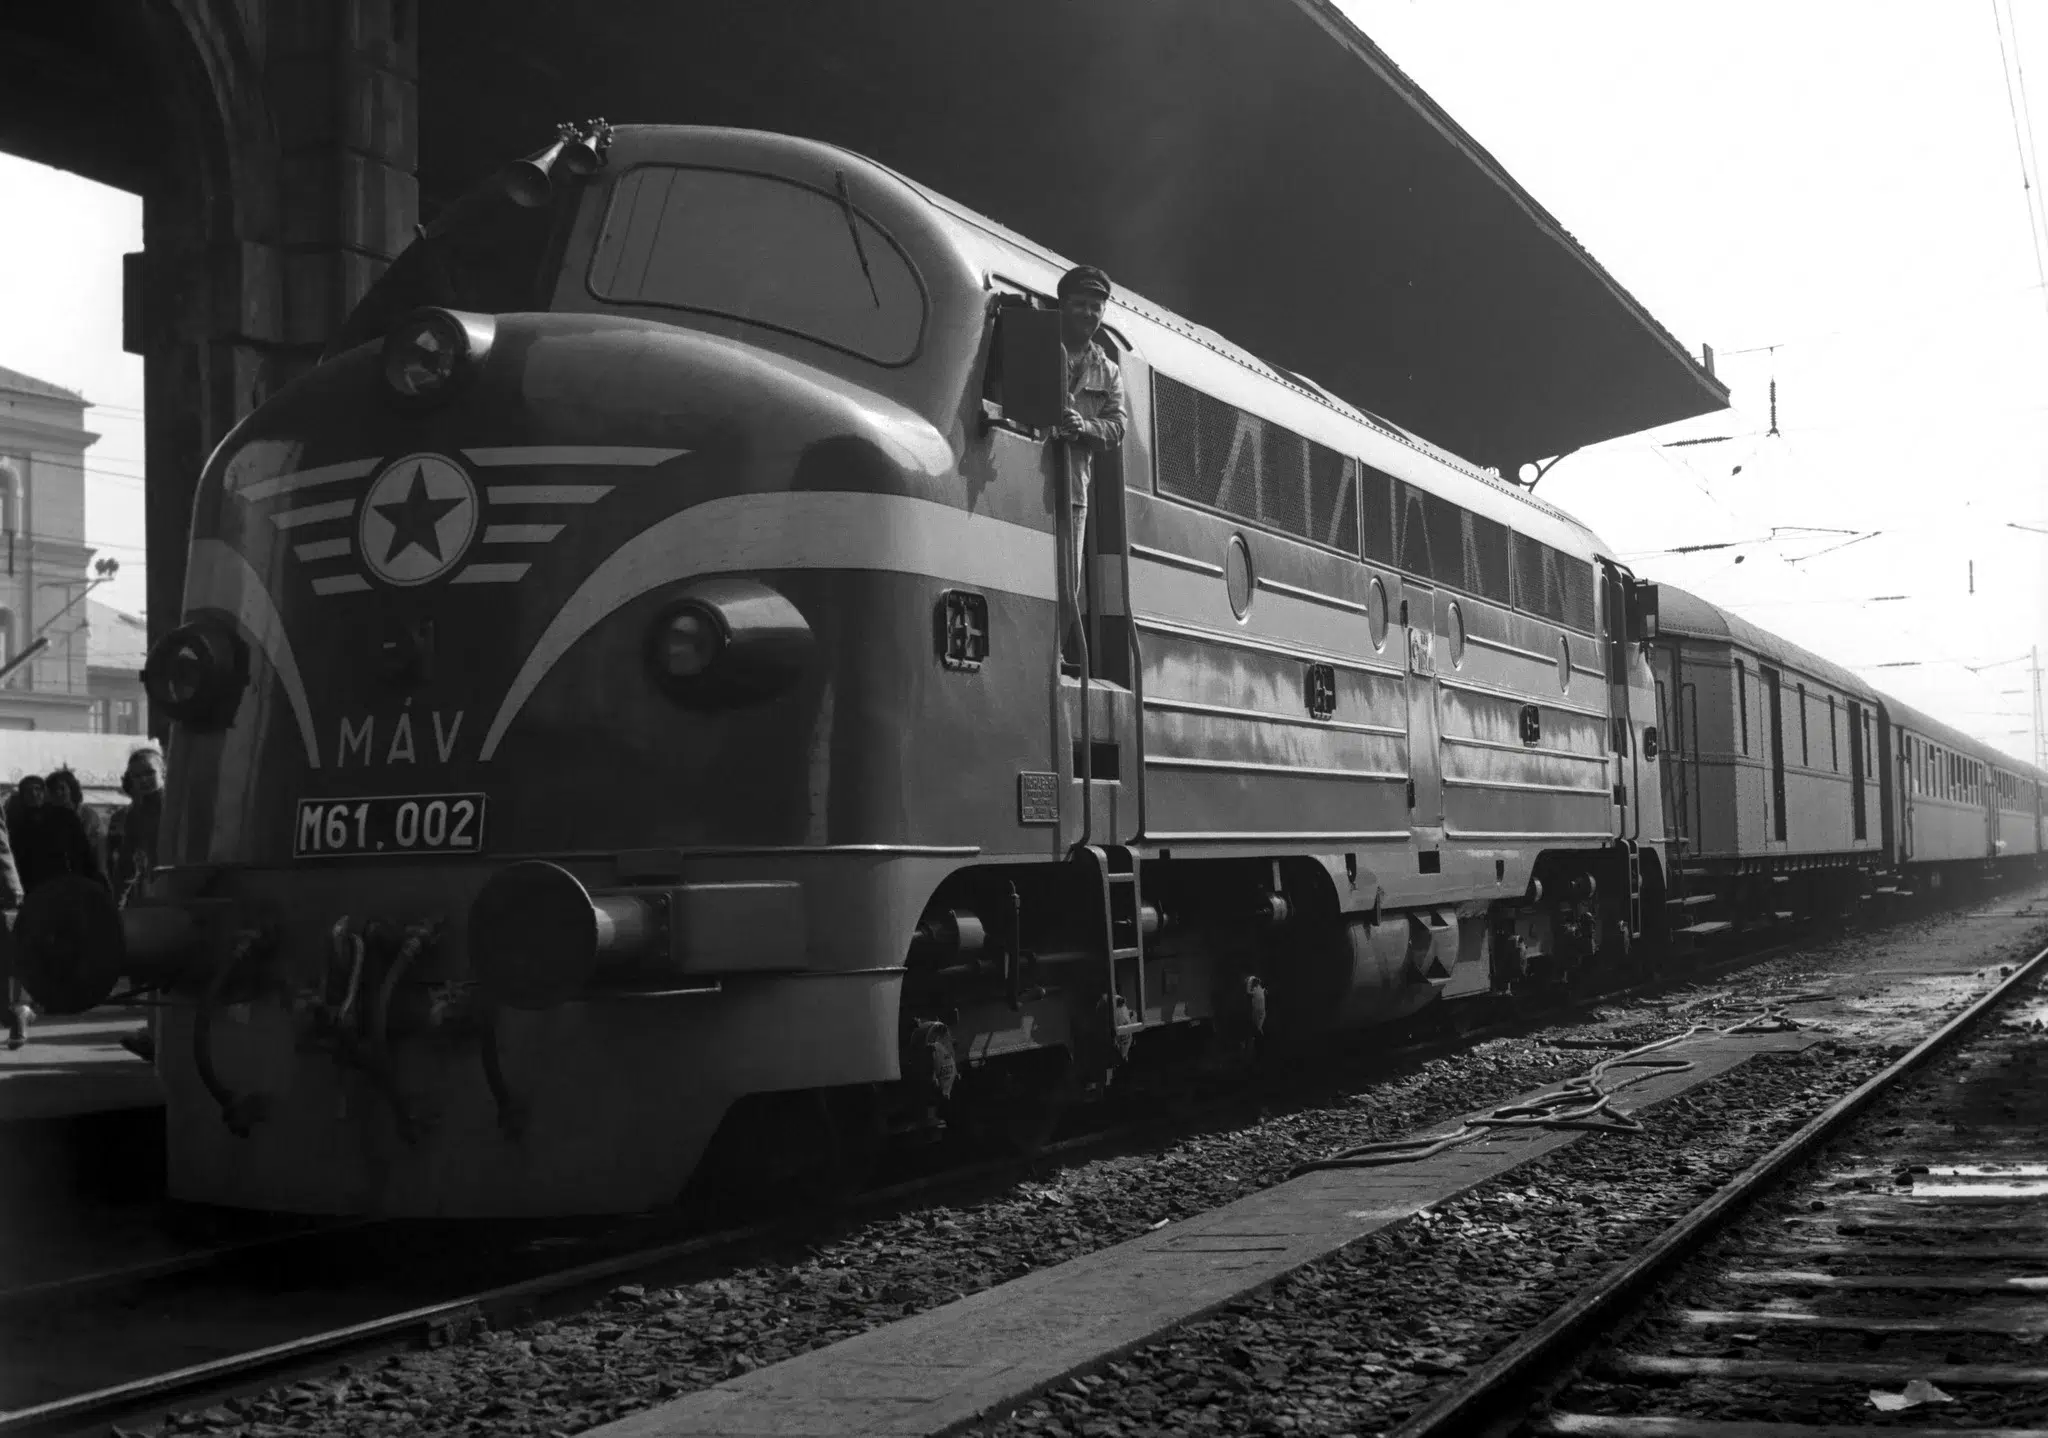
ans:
(619, 732)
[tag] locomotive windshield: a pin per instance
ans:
(769, 251)
(493, 256)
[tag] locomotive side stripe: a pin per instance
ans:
(520, 533)
(314, 513)
(216, 577)
(791, 529)
(546, 493)
(340, 584)
(323, 549)
(306, 479)
(571, 454)
(490, 573)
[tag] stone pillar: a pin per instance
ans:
(303, 138)
(343, 79)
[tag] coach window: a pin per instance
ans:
(1834, 739)
(1805, 750)
(1742, 702)
(761, 249)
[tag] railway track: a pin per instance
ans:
(1886, 1273)
(300, 1342)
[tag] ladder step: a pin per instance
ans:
(1125, 953)
(1122, 876)
(1690, 901)
(1712, 926)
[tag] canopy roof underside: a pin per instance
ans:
(1256, 165)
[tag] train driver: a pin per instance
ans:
(1094, 420)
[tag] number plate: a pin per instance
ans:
(389, 824)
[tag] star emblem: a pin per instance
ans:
(416, 519)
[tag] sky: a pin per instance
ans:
(1840, 180)
(1835, 178)
(60, 320)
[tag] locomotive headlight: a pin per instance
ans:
(727, 641)
(196, 674)
(691, 642)
(429, 353)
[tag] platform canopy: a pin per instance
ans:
(1257, 165)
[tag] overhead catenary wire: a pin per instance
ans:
(2019, 68)
(2022, 129)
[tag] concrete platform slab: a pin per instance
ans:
(941, 1370)
(75, 1066)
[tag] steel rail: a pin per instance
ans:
(1489, 1395)
(435, 1322)
(454, 1318)
(55, 1290)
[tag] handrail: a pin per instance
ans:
(1073, 558)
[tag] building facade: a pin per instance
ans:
(116, 649)
(43, 555)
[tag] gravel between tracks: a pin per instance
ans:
(1341, 1346)
(1356, 1342)
(643, 1346)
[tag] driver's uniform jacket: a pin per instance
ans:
(1095, 391)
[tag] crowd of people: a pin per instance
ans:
(49, 831)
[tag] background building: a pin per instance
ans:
(116, 648)
(43, 554)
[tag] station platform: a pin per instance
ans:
(81, 1149)
(75, 1066)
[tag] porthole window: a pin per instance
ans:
(1564, 666)
(1237, 576)
(1457, 636)
(1376, 613)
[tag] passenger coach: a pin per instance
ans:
(1773, 771)
(1958, 806)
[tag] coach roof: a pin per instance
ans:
(1684, 613)
(1952, 738)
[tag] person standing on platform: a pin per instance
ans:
(54, 841)
(65, 789)
(27, 797)
(132, 850)
(10, 903)
(132, 836)
(1094, 419)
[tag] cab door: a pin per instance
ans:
(1425, 759)
(1621, 719)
